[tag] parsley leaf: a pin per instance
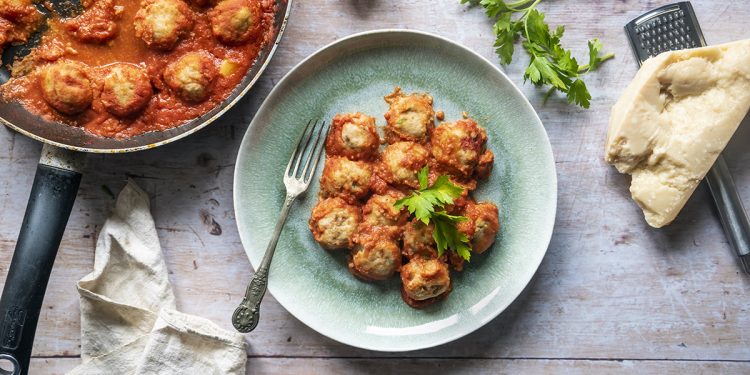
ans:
(595, 47)
(578, 94)
(506, 31)
(427, 205)
(447, 236)
(423, 177)
(550, 64)
(418, 206)
(444, 190)
(424, 202)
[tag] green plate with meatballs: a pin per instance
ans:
(345, 226)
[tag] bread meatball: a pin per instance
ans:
(424, 281)
(236, 21)
(484, 166)
(161, 23)
(484, 222)
(376, 255)
(345, 178)
(353, 135)
(97, 24)
(402, 161)
(333, 222)
(16, 10)
(418, 241)
(204, 3)
(192, 76)
(380, 210)
(126, 90)
(6, 28)
(455, 260)
(66, 86)
(18, 20)
(409, 117)
(457, 146)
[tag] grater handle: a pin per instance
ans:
(731, 211)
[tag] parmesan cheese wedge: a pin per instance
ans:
(673, 121)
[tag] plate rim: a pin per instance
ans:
(276, 91)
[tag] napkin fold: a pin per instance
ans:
(129, 321)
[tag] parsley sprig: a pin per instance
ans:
(550, 63)
(428, 205)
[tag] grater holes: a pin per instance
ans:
(667, 30)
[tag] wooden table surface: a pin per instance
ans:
(612, 295)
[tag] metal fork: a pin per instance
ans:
(296, 179)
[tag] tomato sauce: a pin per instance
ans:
(104, 35)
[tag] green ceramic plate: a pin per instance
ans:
(353, 74)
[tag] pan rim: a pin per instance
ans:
(227, 106)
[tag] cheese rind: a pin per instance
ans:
(673, 121)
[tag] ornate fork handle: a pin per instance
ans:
(299, 172)
(247, 314)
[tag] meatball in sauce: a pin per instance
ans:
(353, 135)
(97, 24)
(67, 87)
(236, 21)
(424, 281)
(401, 161)
(410, 117)
(418, 241)
(457, 146)
(126, 90)
(380, 210)
(482, 225)
(375, 254)
(334, 222)
(345, 178)
(191, 77)
(161, 23)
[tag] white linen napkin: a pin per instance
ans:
(129, 324)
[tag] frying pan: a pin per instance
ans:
(54, 191)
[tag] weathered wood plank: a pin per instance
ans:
(610, 287)
(344, 366)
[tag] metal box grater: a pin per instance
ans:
(675, 27)
(671, 27)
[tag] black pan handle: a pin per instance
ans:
(51, 201)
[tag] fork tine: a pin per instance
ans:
(296, 150)
(304, 149)
(317, 147)
(297, 154)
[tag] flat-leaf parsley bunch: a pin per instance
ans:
(550, 64)
(428, 205)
